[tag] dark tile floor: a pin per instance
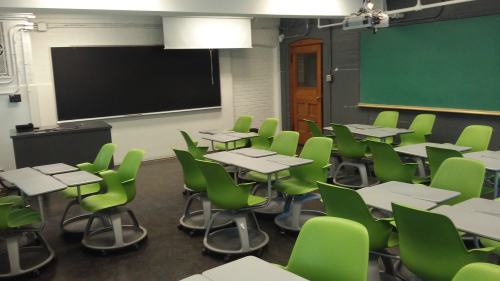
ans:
(167, 254)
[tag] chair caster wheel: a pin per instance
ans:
(104, 253)
(205, 251)
(227, 258)
(35, 273)
(282, 232)
(192, 233)
(185, 192)
(180, 227)
(136, 247)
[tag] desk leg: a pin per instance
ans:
(382, 139)
(23, 198)
(42, 212)
(212, 143)
(227, 147)
(234, 143)
(79, 194)
(497, 173)
(235, 172)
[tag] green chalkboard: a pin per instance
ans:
(450, 64)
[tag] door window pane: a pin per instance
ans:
(306, 70)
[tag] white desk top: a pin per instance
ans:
(362, 126)
(487, 157)
(260, 165)
(20, 174)
(250, 269)
(197, 277)
(252, 152)
(77, 178)
(467, 220)
(40, 185)
(396, 130)
(489, 207)
(53, 169)
(382, 199)
(243, 135)
(426, 193)
(226, 157)
(220, 138)
(288, 160)
(420, 151)
(215, 132)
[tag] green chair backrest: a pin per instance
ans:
(285, 143)
(460, 174)
(315, 130)
(128, 171)
(387, 164)
(193, 177)
(4, 215)
(318, 150)
(266, 132)
(429, 243)
(243, 123)
(330, 249)
(221, 189)
(196, 151)
(347, 204)
(103, 158)
(347, 145)
(387, 119)
(478, 271)
(422, 125)
(475, 136)
(437, 155)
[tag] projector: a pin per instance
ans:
(369, 19)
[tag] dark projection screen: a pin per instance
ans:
(92, 82)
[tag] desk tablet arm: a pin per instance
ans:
(486, 249)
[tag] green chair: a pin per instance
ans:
(317, 132)
(330, 249)
(194, 180)
(101, 164)
(14, 199)
(109, 207)
(302, 183)
(13, 226)
(460, 174)
(242, 125)
(285, 143)
(422, 125)
(387, 119)
(246, 236)
(388, 166)
(266, 134)
(197, 151)
(475, 136)
(355, 151)
(347, 204)
(430, 246)
(437, 155)
(478, 271)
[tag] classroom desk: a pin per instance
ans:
(376, 132)
(288, 160)
(243, 135)
(223, 138)
(473, 221)
(216, 132)
(53, 169)
(420, 152)
(363, 126)
(252, 152)
(382, 199)
(228, 158)
(426, 193)
(492, 161)
(249, 269)
(485, 206)
(14, 176)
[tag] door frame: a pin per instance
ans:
(292, 77)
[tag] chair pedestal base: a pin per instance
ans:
(293, 217)
(23, 260)
(201, 219)
(246, 237)
(363, 172)
(116, 235)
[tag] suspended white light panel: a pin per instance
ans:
(206, 33)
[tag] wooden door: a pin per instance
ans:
(305, 86)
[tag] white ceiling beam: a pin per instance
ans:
(246, 8)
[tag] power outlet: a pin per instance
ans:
(329, 78)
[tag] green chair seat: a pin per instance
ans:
(478, 271)
(230, 145)
(72, 192)
(420, 180)
(14, 199)
(23, 216)
(103, 201)
(258, 177)
(295, 186)
(254, 200)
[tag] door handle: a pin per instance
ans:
(317, 98)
